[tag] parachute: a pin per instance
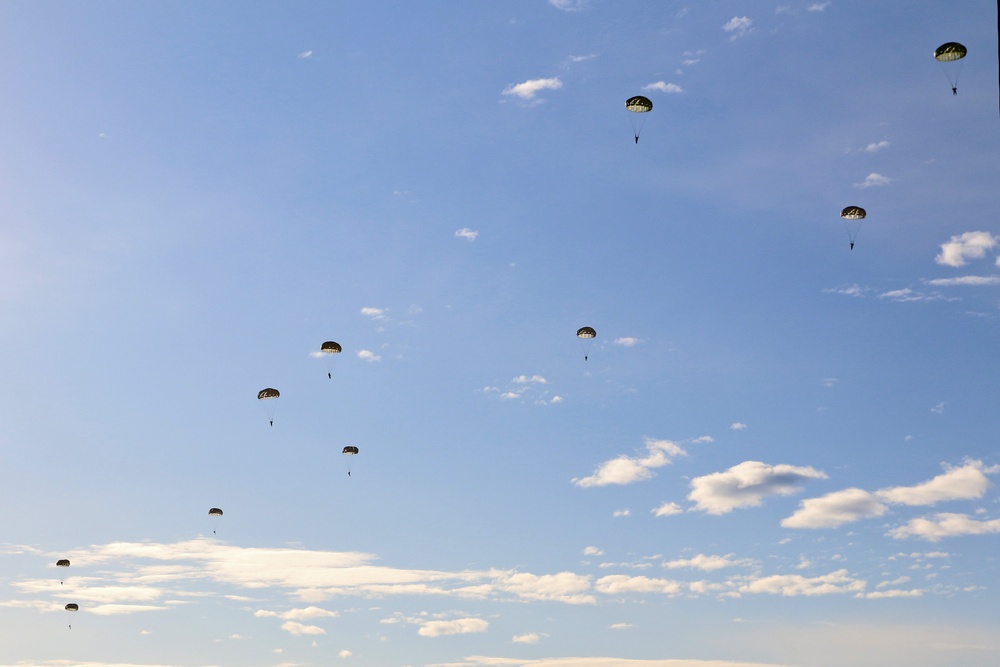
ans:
(349, 450)
(62, 562)
(72, 606)
(214, 513)
(950, 52)
(852, 216)
(328, 349)
(638, 105)
(267, 394)
(586, 334)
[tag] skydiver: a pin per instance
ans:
(348, 473)
(852, 245)
(637, 138)
(329, 376)
(954, 91)
(271, 422)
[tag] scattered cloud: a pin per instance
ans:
(344, 654)
(466, 233)
(299, 629)
(627, 341)
(940, 526)
(619, 584)
(847, 290)
(630, 469)
(374, 313)
(970, 245)
(818, 6)
(737, 426)
(527, 638)
(873, 180)
(667, 509)
(663, 87)
(460, 626)
(568, 5)
(939, 408)
(738, 26)
(965, 280)
(835, 509)
(876, 146)
(528, 89)
(907, 295)
(794, 584)
(967, 482)
(747, 484)
(368, 355)
(581, 59)
(620, 513)
(707, 563)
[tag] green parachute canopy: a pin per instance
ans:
(950, 51)
(586, 332)
(268, 393)
(350, 450)
(62, 562)
(853, 213)
(331, 347)
(639, 104)
(215, 511)
(72, 606)
(852, 217)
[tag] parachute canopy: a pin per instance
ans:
(950, 51)
(331, 347)
(586, 332)
(853, 213)
(350, 450)
(72, 606)
(268, 393)
(640, 104)
(215, 511)
(62, 562)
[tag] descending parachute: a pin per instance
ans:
(949, 53)
(72, 606)
(852, 216)
(62, 562)
(214, 513)
(328, 349)
(267, 394)
(586, 334)
(349, 450)
(638, 105)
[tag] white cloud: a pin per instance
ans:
(592, 551)
(667, 509)
(707, 563)
(663, 87)
(368, 355)
(524, 379)
(460, 626)
(528, 89)
(895, 593)
(298, 629)
(835, 509)
(297, 614)
(847, 290)
(618, 584)
(965, 280)
(627, 341)
(527, 638)
(580, 59)
(967, 482)
(818, 6)
(907, 295)
(943, 525)
(738, 26)
(737, 426)
(970, 245)
(620, 513)
(746, 484)
(466, 233)
(794, 584)
(567, 587)
(873, 180)
(306, 54)
(876, 146)
(568, 5)
(374, 313)
(628, 469)
(345, 654)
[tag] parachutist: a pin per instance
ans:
(637, 138)
(954, 91)
(348, 473)
(584, 357)
(329, 376)
(271, 422)
(852, 245)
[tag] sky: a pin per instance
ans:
(778, 451)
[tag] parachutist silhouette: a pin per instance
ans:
(954, 91)
(852, 245)
(637, 138)
(271, 422)
(329, 376)
(348, 473)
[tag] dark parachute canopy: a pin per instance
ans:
(62, 562)
(586, 332)
(72, 606)
(331, 347)
(949, 52)
(640, 105)
(350, 450)
(268, 393)
(852, 216)
(215, 511)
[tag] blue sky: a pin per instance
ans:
(780, 451)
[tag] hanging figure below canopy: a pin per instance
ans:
(638, 105)
(947, 54)
(852, 216)
(586, 334)
(265, 395)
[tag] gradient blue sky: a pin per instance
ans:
(780, 452)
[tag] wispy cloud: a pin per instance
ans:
(526, 638)
(738, 26)
(627, 341)
(667, 509)
(466, 233)
(528, 89)
(368, 355)
(789, 585)
(847, 290)
(873, 180)
(876, 146)
(707, 563)
(738, 426)
(306, 54)
(907, 295)
(568, 5)
(818, 6)
(374, 313)
(970, 245)
(664, 87)
(965, 280)
(747, 484)
(626, 469)
(940, 526)
(459, 626)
